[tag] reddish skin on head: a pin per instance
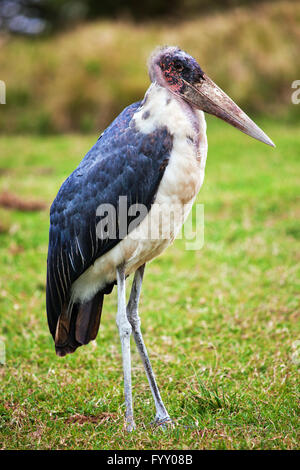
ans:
(173, 68)
(171, 75)
(177, 67)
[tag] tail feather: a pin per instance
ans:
(78, 326)
(88, 319)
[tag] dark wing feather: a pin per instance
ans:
(123, 162)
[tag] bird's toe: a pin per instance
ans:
(163, 423)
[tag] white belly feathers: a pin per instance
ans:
(179, 186)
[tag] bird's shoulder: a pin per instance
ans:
(108, 146)
(123, 156)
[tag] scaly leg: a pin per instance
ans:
(125, 332)
(162, 415)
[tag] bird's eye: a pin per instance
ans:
(178, 66)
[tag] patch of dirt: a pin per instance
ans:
(45, 170)
(3, 228)
(15, 249)
(12, 201)
(98, 419)
(6, 171)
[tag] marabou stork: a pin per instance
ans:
(152, 155)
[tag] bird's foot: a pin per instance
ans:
(129, 424)
(163, 423)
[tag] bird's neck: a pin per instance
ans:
(184, 173)
(161, 108)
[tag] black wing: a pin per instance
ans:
(123, 162)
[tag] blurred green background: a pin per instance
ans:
(221, 324)
(72, 66)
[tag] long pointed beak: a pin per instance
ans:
(208, 97)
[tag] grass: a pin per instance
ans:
(58, 84)
(220, 323)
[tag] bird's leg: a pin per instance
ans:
(125, 332)
(162, 415)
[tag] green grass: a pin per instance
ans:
(220, 323)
